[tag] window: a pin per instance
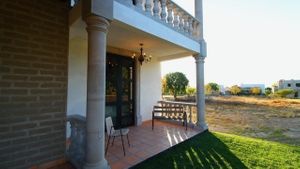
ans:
(297, 84)
(289, 85)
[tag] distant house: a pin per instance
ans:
(289, 84)
(246, 88)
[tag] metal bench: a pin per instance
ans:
(174, 113)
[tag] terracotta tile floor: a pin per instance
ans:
(145, 143)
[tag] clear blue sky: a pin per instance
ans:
(249, 41)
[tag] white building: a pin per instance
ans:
(249, 86)
(289, 84)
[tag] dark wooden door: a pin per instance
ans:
(120, 89)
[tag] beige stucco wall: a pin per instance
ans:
(77, 74)
(150, 87)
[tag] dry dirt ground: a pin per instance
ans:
(270, 119)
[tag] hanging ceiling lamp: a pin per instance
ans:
(142, 57)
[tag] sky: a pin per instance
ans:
(248, 41)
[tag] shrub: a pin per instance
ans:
(255, 91)
(284, 93)
(190, 91)
(235, 90)
(268, 91)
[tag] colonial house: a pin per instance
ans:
(89, 58)
(289, 84)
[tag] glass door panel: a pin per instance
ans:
(119, 90)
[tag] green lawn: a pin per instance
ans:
(218, 150)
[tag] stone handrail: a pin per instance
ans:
(169, 13)
(76, 149)
(189, 108)
(166, 12)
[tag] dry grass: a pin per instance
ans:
(271, 119)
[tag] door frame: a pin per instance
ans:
(120, 59)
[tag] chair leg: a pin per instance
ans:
(122, 143)
(128, 140)
(107, 144)
(113, 141)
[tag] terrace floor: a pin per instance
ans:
(145, 143)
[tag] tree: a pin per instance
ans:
(190, 91)
(208, 89)
(176, 83)
(235, 90)
(164, 86)
(214, 87)
(255, 90)
(268, 91)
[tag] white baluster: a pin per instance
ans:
(163, 13)
(156, 9)
(190, 26)
(176, 18)
(181, 22)
(186, 24)
(148, 7)
(170, 14)
(140, 5)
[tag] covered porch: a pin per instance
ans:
(144, 142)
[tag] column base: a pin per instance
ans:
(101, 165)
(138, 121)
(202, 127)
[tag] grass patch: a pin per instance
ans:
(218, 150)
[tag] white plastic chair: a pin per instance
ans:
(111, 132)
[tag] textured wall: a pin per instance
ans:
(33, 81)
(150, 88)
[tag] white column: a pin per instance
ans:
(97, 28)
(200, 99)
(199, 16)
(138, 116)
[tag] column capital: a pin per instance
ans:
(199, 58)
(96, 23)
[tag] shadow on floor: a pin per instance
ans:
(204, 150)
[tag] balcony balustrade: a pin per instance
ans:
(167, 12)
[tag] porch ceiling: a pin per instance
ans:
(128, 38)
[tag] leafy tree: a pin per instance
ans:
(176, 83)
(268, 91)
(214, 87)
(208, 89)
(190, 91)
(255, 90)
(235, 90)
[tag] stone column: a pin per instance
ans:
(97, 28)
(199, 16)
(200, 97)
(138, 116)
